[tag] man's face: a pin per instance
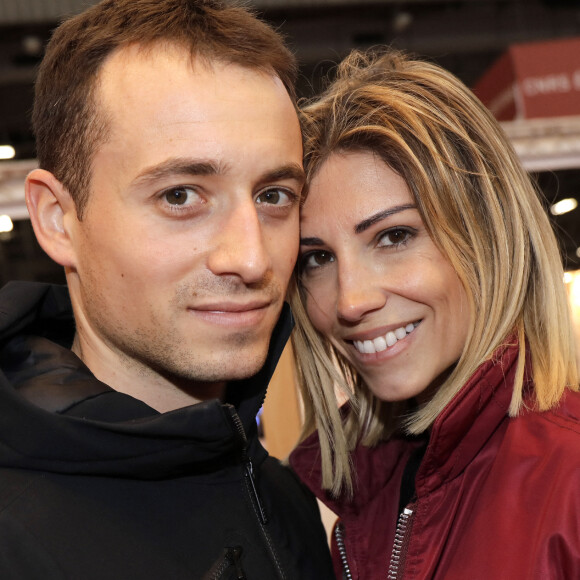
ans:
(191, 231)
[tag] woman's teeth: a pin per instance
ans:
(383, 342)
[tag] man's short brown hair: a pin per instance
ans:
(66, 118)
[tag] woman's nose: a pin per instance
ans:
(358, 294)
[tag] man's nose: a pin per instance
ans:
(239, 248)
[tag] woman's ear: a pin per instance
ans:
(51, 210)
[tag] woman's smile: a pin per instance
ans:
(384, 341)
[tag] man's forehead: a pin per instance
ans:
(148, 81)
(139, 85)
(135, 57)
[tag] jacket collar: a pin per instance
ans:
(466, 424)
(457, 435)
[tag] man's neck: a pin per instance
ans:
(144, 384)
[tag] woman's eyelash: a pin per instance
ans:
(315, 259)
(396, 236)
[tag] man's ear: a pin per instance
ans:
(53, 214)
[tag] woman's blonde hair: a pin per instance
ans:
(482, 212)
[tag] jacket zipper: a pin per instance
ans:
(252, 488)
(248, 466)
(400, 544)
(339, 537)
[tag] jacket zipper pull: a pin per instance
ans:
(236, 554)
(250, 476)
(222, 569)
(248, 465)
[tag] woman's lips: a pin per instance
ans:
(384, 341)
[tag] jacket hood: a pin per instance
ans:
(56, 416)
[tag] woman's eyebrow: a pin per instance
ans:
(311, 242)
(381, 215)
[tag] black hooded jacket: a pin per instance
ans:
(95, 484)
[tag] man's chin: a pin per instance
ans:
(233, 365)
(212, 362)
(245, 369)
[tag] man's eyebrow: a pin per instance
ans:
(210, 167)
(179, 167)
(290, 171)
(381, 215)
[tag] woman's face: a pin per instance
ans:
(376, 284)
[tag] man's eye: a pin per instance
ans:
(274, 196)
(179, 195)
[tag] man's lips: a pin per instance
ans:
(233, 315)
(232, 307)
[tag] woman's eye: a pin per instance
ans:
(395, 237)
(275, 196)
(316, 259)
(177, 196)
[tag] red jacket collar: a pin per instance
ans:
(457, 435)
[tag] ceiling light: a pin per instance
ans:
(7, 152)
(402, 21)
(32, 45)
(564, 206)
(6, 224)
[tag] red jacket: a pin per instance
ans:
(495, 497)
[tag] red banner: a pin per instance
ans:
(531, 80)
